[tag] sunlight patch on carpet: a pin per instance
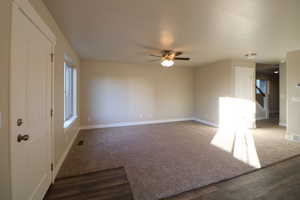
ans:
(234, 136)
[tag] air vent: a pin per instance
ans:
(80, 143)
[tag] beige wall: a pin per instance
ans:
(5, 23)
(282, 93)
(212, 82)
(62, 139)
(113, 93)
(293, 95)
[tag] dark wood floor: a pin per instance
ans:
(277, 182)
(103, 185)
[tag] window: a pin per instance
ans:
(70, 94)
(262, 85)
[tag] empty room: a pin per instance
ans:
(149, 100)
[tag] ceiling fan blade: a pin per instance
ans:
(178, 58)
(178, 53)
(155, 55)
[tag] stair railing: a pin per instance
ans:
(264, 101)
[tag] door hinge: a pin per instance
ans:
(52, 167)
(51, 112)
(52, 57)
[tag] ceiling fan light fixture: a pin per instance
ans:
(167, 57)
(167, 63)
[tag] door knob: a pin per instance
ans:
(21, 138)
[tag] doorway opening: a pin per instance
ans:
(267, 95)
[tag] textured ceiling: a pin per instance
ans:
(206, 30)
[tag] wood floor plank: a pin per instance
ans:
(276, 182)
(103, 185)
(190, 195)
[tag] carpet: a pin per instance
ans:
(162, 160)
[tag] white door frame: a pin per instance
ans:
(27, 9)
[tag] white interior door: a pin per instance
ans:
(30, 121)
(245, 95)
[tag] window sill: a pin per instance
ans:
(69, 122)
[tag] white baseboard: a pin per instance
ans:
(121, 124)
(294, 138)
(282, 124)
(64, 155)
(206, 122)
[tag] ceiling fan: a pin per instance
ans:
(168, 57)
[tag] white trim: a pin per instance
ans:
(292, 50)
(292, 137)
(121, 124)
(282, 124)
(26, 7)
(206, 122)
(64, 155)
(70, 121)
